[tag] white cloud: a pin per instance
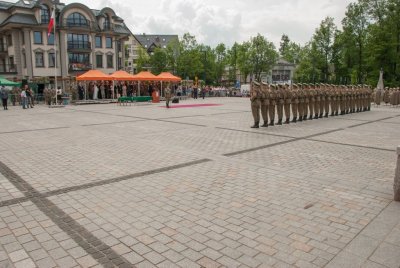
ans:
(226, 21)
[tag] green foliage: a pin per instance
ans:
(143, 59)
(158, 61)
(262, 56)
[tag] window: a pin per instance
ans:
(11, 62)
(79, 61)
(98, 42)
(109, 42)
(9, 40)
(77, 20)
(110, 63)
(24, 59)
(39, 59)
(50, 39)
(107, 24)
(23, 38)
(44, 14)
(37, 37)
(99, 61)
(52, 59)
(78, 41)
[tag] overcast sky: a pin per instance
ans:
(225, 21)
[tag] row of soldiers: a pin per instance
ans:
(306, 102)
(388, 96)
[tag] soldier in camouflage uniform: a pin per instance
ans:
(306, 97)
(300, 96)
(288, 101)
(280, 102)
(317, 101)
(255, 97)
(272, 103)
(295, 102)
(264, 103)
(311, 99)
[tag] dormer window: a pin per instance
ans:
(107, 22)
(44, 14)
(77, 19)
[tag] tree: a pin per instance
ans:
(263, 55)
(355, 26)
(285, 41)
(243, 60)
(190, 62)
(220, 52)
(158, 61)
(143, 59)
(323, 40)
(173, 52)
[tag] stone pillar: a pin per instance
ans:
(62, 59)
(396, 186)
(94, 63)
(28, 52)
(17, 55)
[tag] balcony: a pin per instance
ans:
(79, 45)
(79, 24)
(79, 67)
(8, 69)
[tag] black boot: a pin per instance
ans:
(342, 113)
(316, 116)
(280, 122)
(256, 125)
(265, 124)
(305, 118)
(272, 123)
(321, 115)
(337, 113)
(294, 120)
(287, 121)
(332, 114)
(300, 119)
(310, 118)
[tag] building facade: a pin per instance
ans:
(85, 39)
(146, 43)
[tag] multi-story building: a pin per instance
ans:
(85, 39)
(147, 43)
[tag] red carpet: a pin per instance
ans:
(191, 105)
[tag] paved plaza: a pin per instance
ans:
(145, 186)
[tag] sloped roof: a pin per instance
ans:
(21, 19)
(5, 5)
(158, 40)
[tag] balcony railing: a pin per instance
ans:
(79, 45)
(8, 68)
(79, 23)
(79, 66)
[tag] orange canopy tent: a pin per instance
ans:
(122, 76)
(93, 75)
(166, 76)
(145, 76)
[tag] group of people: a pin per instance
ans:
(25, 96)
(306, 102)
(388, 96)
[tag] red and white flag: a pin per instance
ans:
(51, 23)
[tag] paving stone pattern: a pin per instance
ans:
(143, 186)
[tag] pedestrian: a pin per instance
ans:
(4, 97)
(203, 92)
(168, 96)
(23, 98)
(28, 97)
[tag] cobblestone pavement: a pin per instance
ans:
(143, 186)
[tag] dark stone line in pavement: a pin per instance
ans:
(33, 130)
(123, 178)
(65, 222)
(280, 143)
(353, 145)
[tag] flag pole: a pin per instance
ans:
(55, 53)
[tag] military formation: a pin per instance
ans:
(389, 96)
(301, 102)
